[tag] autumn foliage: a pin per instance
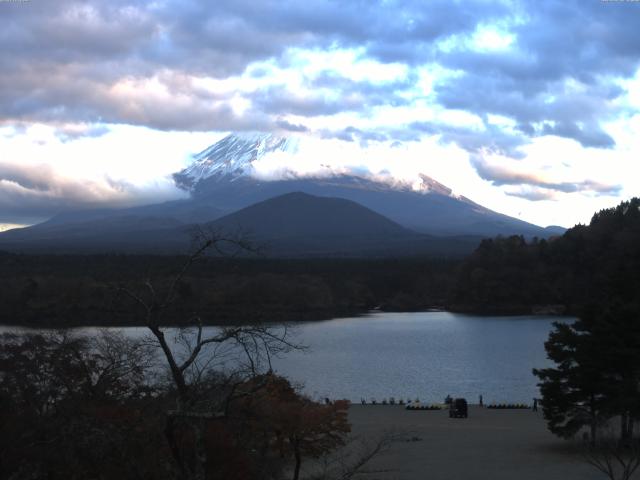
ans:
(75, 408)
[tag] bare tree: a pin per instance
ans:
(195, 352)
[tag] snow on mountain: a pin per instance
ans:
(232, 157)
(257, 155)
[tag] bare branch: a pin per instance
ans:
(614, 459)
(352, 459)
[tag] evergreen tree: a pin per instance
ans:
(616, 329)
(597, 373)
(573, 392)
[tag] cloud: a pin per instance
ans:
(70, 132)
(36, 192)
(276, 100)
(560, 72)
(96, 62)
(534, 185)
(353, 134)
(488, 139)
(140, 64)
(533, 194)
(291, 127)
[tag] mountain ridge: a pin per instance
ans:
(292, 225)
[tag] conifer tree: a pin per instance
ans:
(574, 392)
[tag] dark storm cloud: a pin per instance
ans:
(535, 185)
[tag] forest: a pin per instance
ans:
(73, 290)
(588, 265)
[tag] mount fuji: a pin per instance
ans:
(224, 176)
(223, 180)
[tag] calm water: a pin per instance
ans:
(425, 354)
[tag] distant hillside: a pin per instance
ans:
(291, 225)
(431, 212)
(298, 214)
(127, 233)
(298, 224)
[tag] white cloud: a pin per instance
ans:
(487, 38)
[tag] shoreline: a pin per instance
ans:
(293, 317)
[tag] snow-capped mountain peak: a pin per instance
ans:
(243, 155)
(232, 157)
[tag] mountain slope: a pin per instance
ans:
(430, 213)
(299, 224)
(123, 233)
(291, 225)
(299, 214)
(232, 157)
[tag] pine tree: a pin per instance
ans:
(574, 393)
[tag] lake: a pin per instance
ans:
(424, 355)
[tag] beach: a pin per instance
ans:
(489, 444)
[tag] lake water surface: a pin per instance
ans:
(423, 354)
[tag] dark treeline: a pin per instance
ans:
(588, 265)
(63, 290)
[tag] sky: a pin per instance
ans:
(530, 108)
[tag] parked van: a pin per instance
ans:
(458, 408)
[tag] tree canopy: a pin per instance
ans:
(589, 264)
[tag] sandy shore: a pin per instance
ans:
(490, 444)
